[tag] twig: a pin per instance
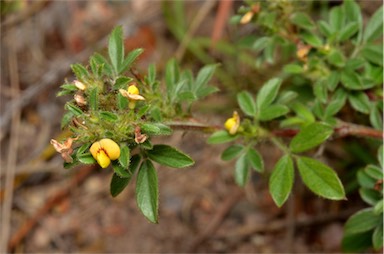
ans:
(342, 130)
(193, 126)
(217, 219)
(12, 158)
(202, 13)
(350, 129)
(58, 197)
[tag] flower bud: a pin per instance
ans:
(79, 85)
(232, 124)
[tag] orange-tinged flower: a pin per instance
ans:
(232, 124)
(139, 137)
(65, 149)
(104, 151)
(302, 52)
(133, 95)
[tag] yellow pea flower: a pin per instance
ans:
(232, 124)
(104, 151)
(133, 95)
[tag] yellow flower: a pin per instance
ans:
(232, 124)
(104, 151)
(133, 95)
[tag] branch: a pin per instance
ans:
(342, 130)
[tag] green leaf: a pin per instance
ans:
(365, 180)
(156, 129)
(351, 80)
(360, 102)
(151, 74)
(164, 129)
(80, 71)
(131, 57)
(122, 83)
(362, 221)
(377, 237)
(312, 39)
(353, 13)
(374, 28)
(357, 242)
(169, 156)
(303, 112)
(82, 149)
(107, 68)
(231, 152)
(255, 160)
(69, 87)
(125, 156)
(320, 90)
(93, 99)
(149, 128)
(333, 80)
(336, 104)
(201, 93)
(204, 75)
(325, 28)
(246, 103)
(286, 97)
(122, 102)
(336, 58)
(310, 136)
(261, 43)
(378, 208)
(376, 118)
(222, 136)
(241, 170)
(86, 158)
(293, 68)
(66, 119)
(118, 184)
(120, 170)
(380, 155)
(147, 145)
(172, 74)
(73, 109)
(281, 180)
(374, 171)
(116, 48)
(302, 20)
(373, 53)
(320, 179)
(108, 116)
(267, 93)
(147, 191)
(370, 196)
(272, 112)
(348, 31)
(336, 18)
